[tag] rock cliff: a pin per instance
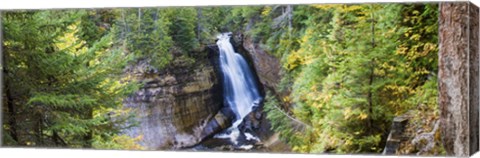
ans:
(175, 105)
(267, 66)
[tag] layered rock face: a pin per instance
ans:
(174, 106)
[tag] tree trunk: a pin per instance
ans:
(458, 77)
(12, 122)
(39, 130)
(9, 97)
(289, 17)
(139, 19)
(370, 99)
(199, 22)
(371, 79)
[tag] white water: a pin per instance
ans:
(240, 91)
(251, 137)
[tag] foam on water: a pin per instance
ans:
(251, 137)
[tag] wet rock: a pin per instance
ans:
(222, 120)
(258, 115)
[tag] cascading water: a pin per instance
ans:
(240, 89)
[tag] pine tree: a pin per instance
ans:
(145, 32)
(183, 28)
(65, 93)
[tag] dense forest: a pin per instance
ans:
(345, 71)
(352, 70)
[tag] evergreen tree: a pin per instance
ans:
(145, 32)
(183, 27)
(63, 93)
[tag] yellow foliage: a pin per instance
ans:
(350, 8)
(129, 143)
(339, 7)
(379, 72)
(401, 50)
(301, 56)
(266, 10)
(348, 142)
(415, 37)
(416, 12)
(362, 116)
(286, 99)
(69, 42)
(325, 6)
(293, 60)
(347, 113)
(428, 48)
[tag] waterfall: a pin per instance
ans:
(240, 88)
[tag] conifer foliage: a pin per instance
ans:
(60, 90)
